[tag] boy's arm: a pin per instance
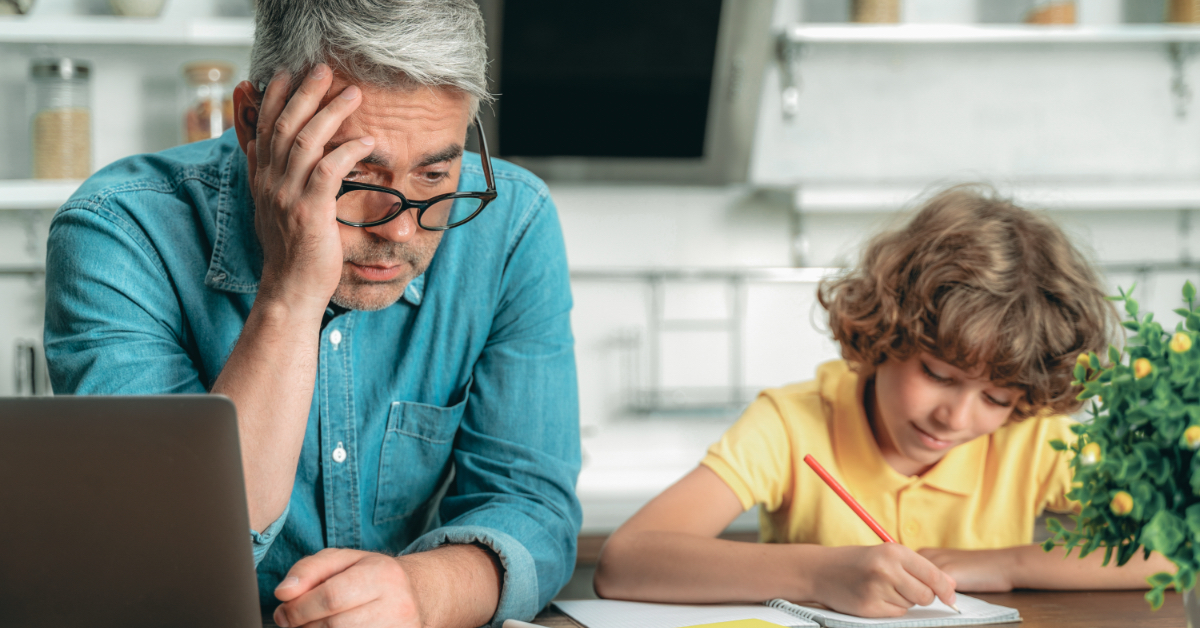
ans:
(1030, 567)
(668, 552)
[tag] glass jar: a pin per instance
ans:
(1051, 12)
(209, 100)
(875, 11)
(1183, 11)
(62, 119)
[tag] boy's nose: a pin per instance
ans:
(956, 413)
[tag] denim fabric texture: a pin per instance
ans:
(456, 407)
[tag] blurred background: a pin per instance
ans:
(711, 160)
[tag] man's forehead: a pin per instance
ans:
(422, 101)
(383, 158)
(412, 128)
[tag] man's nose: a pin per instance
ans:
(402, 228)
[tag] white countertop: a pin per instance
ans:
(628, 462)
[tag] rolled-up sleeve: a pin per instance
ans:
(517, 452)
(261, 541)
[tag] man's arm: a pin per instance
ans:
(511, 517)
(452, 586)
(271, 372)
(1031, 567)
(516, 454)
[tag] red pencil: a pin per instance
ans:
(858, 510)
(845, 495)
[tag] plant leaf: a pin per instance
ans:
(1155, 598)
(1160, 579)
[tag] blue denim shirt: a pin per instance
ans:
(456, 407)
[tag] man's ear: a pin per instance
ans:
(246, 100)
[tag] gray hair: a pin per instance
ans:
(403, 44)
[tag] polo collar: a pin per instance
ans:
(237, 258)
(860, 459)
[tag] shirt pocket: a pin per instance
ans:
(416, 456)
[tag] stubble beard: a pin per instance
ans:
(355, 293)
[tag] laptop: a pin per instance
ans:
(124, 511)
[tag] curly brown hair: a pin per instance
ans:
(974, 279)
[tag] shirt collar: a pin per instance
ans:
(859, 456)
(237, 259)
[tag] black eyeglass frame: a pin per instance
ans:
(484, 197)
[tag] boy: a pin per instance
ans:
(960, 331)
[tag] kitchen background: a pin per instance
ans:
(694, 279)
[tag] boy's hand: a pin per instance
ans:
(881, 581)
(983, 571)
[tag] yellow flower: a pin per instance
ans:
(1191, 436)
(1084, 361)
(1090, 454)
(1141, 368)
(1180, 342)
(1122, 503)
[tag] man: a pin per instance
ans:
(403, 370)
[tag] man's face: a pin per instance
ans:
(923, 407)
(418, 151)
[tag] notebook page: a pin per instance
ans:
(618, 614)
(974, 612)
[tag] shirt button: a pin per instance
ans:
(339, 454)
(912, 527)
(335, 337)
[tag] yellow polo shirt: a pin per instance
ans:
(982, 494)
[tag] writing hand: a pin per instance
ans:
(295, 186)
(340, 587)
(880, 581)
(974, 570)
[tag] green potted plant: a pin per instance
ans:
(1137, 474)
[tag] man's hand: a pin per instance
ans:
(295, 186)
(453, 586)
(340, 587)
(984, 571)
(880, 580)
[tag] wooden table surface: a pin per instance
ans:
(1042, 609)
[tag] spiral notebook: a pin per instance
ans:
(975, 612)
(615, 614)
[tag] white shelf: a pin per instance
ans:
(108, 29)
(33, 194)
(1150, 196)
(30, 194)
(998, 33)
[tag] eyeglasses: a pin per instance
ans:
(367, 205)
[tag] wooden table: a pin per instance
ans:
(1042, 609)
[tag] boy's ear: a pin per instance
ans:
(246, 100)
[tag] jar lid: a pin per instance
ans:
(200, 72)
(62, 68)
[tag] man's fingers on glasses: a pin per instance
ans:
(296, 113)
(311, 140)
(272, 103)
(326, 178)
